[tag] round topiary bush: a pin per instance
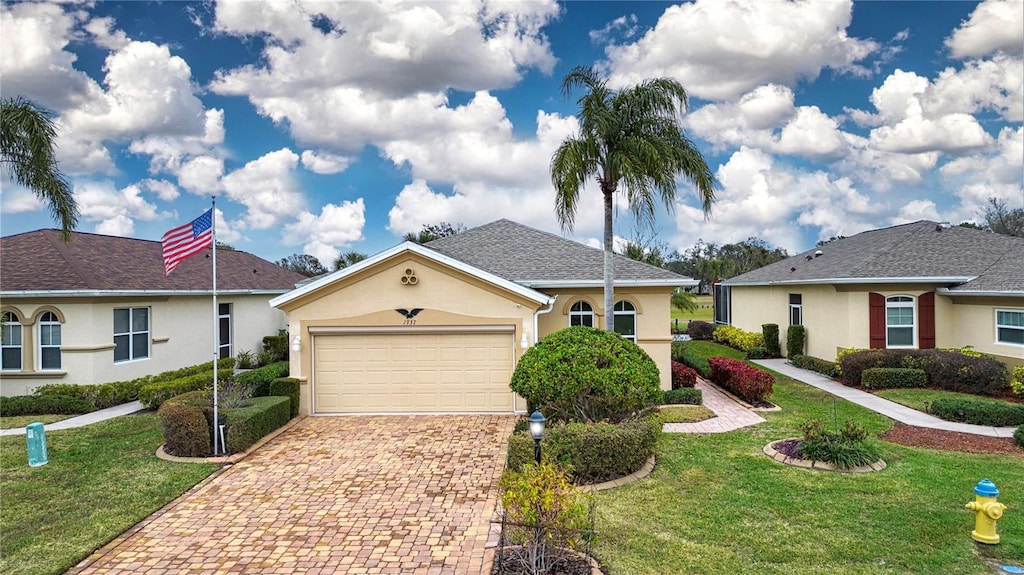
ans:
(586, 375)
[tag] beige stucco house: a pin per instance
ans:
(439, 327)
(919, 285)
(99, 308)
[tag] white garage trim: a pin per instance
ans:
(414, 329)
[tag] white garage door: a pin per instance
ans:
(443, 372)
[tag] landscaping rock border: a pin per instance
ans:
(770, 451)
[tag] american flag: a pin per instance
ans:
(188, 240)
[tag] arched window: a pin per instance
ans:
(10, 341)
(581, 314)
(49, 341)
(625, 320)
(900, 327)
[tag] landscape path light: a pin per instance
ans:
(537, 421)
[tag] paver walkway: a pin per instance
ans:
(357, 495)
(875, 403)
(86, 419)
(731, 415)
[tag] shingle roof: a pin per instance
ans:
(40, 261)
(963, 258)
(531, 257)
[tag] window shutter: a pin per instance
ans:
(876, 320)
(926, 330)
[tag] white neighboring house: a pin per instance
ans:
(99, 308)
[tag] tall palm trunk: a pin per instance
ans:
(609, 263)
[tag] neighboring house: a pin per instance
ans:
(920, 285)
(100, 309)
(439, 327)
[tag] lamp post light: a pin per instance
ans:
(537, 421)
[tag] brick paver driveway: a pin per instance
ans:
(388, 494)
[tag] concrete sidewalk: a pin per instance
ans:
(890, 409)
(86, 419)
(730, 415)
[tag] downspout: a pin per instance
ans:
(551, 306)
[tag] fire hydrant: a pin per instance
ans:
(988, 512)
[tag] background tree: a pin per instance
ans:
(1002, 220)
(347, 259)
(431, 232)
(304, 264)
(630, 137)
(646, 249)
(710, 263)
(684, 301)
(27, 135)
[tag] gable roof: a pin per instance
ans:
(93, 264)
(539, 259)
(412, 247)
(970, 261)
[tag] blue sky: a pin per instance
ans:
(325, 127)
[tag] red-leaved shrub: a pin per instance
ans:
(683, 376)
(739, 378)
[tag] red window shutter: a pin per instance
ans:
(926, 329)
(876, 320)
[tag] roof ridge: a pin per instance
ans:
(71, 262)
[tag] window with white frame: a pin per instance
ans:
(10, 341)
(49, 341)
(796, 309)
(131, 333)
(1010, 326)
(900, 327)
(625, 320)
(581, 313)
(723, 304)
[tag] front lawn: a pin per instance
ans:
(919, 399)
(100, 480)
(685, 413)
(716, 504)
(16, 421)
(705, 312)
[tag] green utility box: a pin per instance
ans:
(35, 436)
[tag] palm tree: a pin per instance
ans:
(27, 135)
(630, 137)
(347, 259)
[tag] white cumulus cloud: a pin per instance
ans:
(995, 25)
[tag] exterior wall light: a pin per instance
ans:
(297, 344)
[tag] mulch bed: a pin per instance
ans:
(950, 440)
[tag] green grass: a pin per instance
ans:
(696, 354)
(716, 504)
(100, 480)
(918, 398)
(14, 421)
(704, 312)
(685, 413)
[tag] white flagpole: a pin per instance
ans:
(216, 325)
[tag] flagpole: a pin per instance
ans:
(216, 338)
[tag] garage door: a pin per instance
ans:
(446, 372)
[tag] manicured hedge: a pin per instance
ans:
(1017, 384)
(287, 387)
(276, 346)
(737, 338)
(700, 330)
(742, 380)
(978, 412)
(683, 395)
(949, 370)
(44, 405)
(824, 367)
(891, 377)
(756, 353)
(185, 424)
(260, 378)
(683, 376)
(770, 334)
(1018, 436)
(796, 335)
(244, 426)
(592, 452)
(154, 394)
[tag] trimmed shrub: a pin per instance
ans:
(287, 387)
(586, 374)
(770, 335)
(978, 412)
(796, 337)
(949, 370)
(756, 353)
(737, 338)
(683, 396)
(1018, 436)
(184, 424)
(244, 426)
(44, 405)
(683, 376)
(591, 452)
(1017, 383)
(276, 348)
(700, 330)
(829, 368)
(154, 394)
(890, 377)
(845, 449)
(260, 378)
(742, 380)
